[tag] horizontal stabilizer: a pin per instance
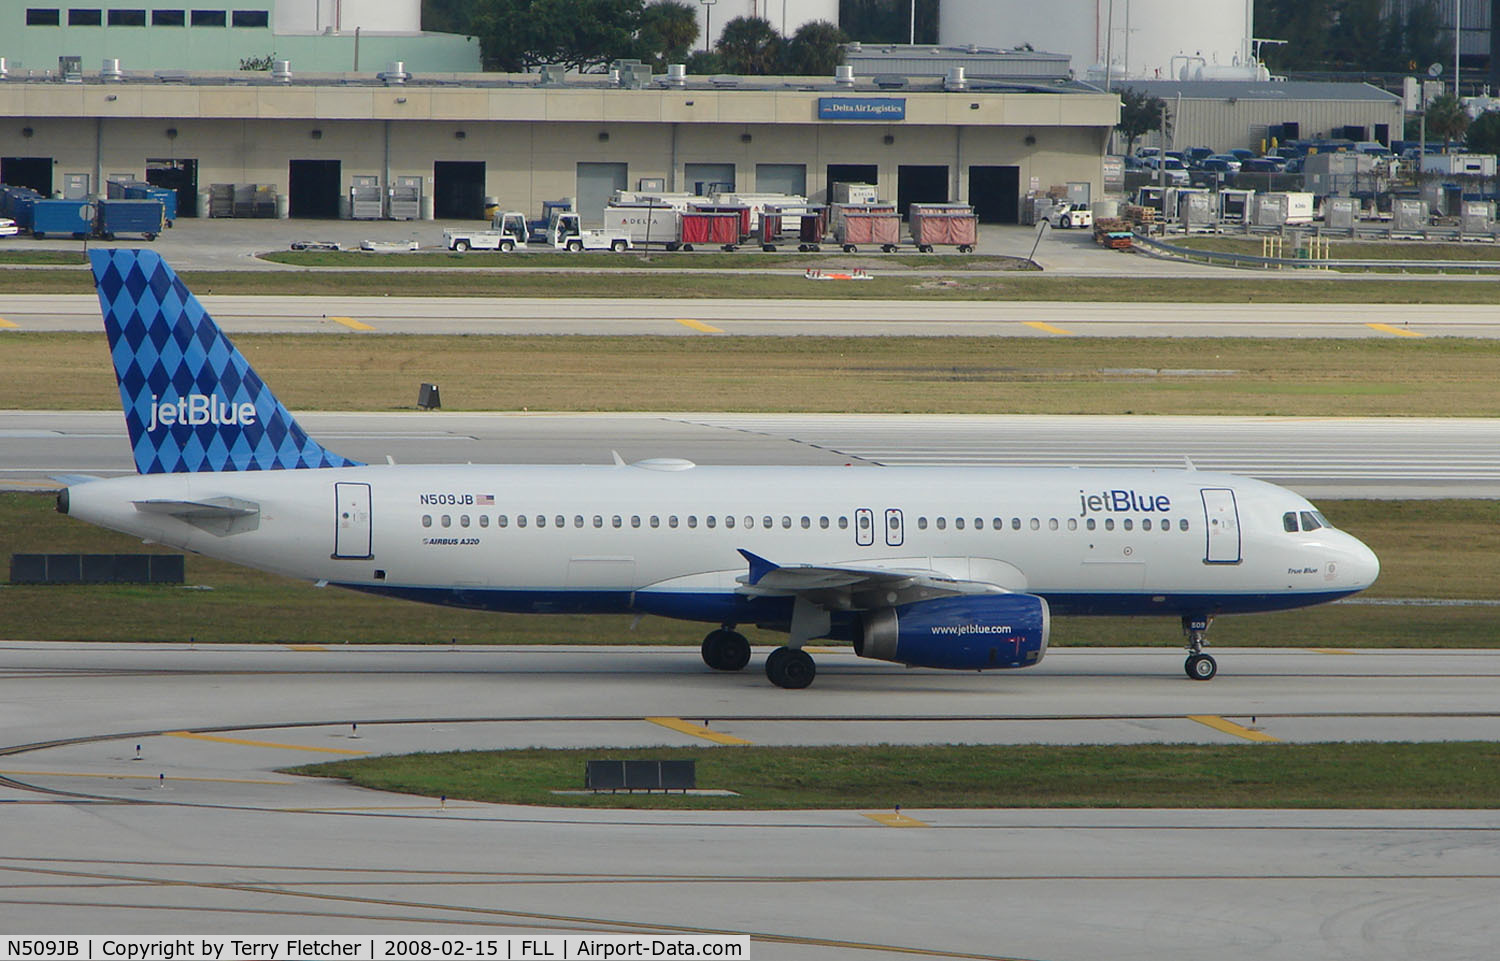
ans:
(217, 515)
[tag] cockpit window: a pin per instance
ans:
(1322, 521)
(1289, 521)
(1310, 521)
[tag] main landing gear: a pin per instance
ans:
(1199, 666)
(791, 668)
(726, 649)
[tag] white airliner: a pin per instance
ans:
(929, 567)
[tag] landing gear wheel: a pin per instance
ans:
(726, 650)
(1201, 667)
(790, 669)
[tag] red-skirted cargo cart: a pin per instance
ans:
(943, 225)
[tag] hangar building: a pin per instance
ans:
(459, 138)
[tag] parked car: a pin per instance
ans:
(1228, 159)
(1176, 173)
(1262, 165)
(8, 227)
(1214, 171)
(1242, 153)
(1196, 155)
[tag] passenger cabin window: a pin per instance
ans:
(843, 523)
(426, 520)
(921, 523)
(484, 520)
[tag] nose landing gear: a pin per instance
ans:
(1199, 666)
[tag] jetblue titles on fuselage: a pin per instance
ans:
(1113, 501)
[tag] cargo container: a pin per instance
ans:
(1281, 209)
(943, 225)
(646, 224)
(852, 193)
(1459, 164)
(144, 217)
(73, 218)
(16, 203)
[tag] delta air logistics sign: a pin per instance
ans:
(861, 108)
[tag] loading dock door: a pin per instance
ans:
(458, 189)
(178, 175)
(705, 179)
(597, 183)
(921, 184)
(781, 179)
(313, 188)
(995, 193)
(33, 172)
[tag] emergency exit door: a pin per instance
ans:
(1222, 520)
(352, 532)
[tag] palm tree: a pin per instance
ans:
(1446, 118)
(668, 31)
(750, 45)
(815, 49)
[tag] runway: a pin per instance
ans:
(779, 318)
(225, 842)
(1318, 457)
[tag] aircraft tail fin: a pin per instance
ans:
(192, 402)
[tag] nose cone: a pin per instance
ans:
(1361, 566)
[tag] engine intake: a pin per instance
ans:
(960, 633)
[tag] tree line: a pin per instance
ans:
(517, 36)
(1350, 35)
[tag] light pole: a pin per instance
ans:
(708, 24)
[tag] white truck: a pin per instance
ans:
(1067, 214)
(508, 232)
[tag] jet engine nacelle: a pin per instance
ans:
(961, 633)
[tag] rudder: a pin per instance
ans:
(191, 400)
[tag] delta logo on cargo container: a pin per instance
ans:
(194, 410)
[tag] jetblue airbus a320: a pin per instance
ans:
(929, 567)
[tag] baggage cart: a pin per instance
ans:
(872, 225)
(943, 225)
(144, 217)
(73, 218)
(710, 227)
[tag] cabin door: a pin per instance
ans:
(864, 527)
(352, 533)
(893, 528)
(1222, 520)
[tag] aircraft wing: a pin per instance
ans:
(838, 588)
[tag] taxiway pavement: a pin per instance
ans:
(203, 834)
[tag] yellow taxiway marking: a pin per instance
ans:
(306, 647)
(826, 650)
(895, 820)
(351, 323)
(1398, 331)
(1046, 328)
(144, 777)
(7, 323)
(245, 743)
(696, 730)
(1229, 727)
(699, 325)
(1329, 650)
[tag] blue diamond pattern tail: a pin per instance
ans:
(192, 402)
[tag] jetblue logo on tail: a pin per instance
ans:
(196, 409)
(192, 402)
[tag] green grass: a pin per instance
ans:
(1428, 549)
(43, 257)
(1359, 775)
(1435, 376)
(1294, 289)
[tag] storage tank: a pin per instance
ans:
(1144, 39)
(784, 15)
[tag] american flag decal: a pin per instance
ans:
(484, 500)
